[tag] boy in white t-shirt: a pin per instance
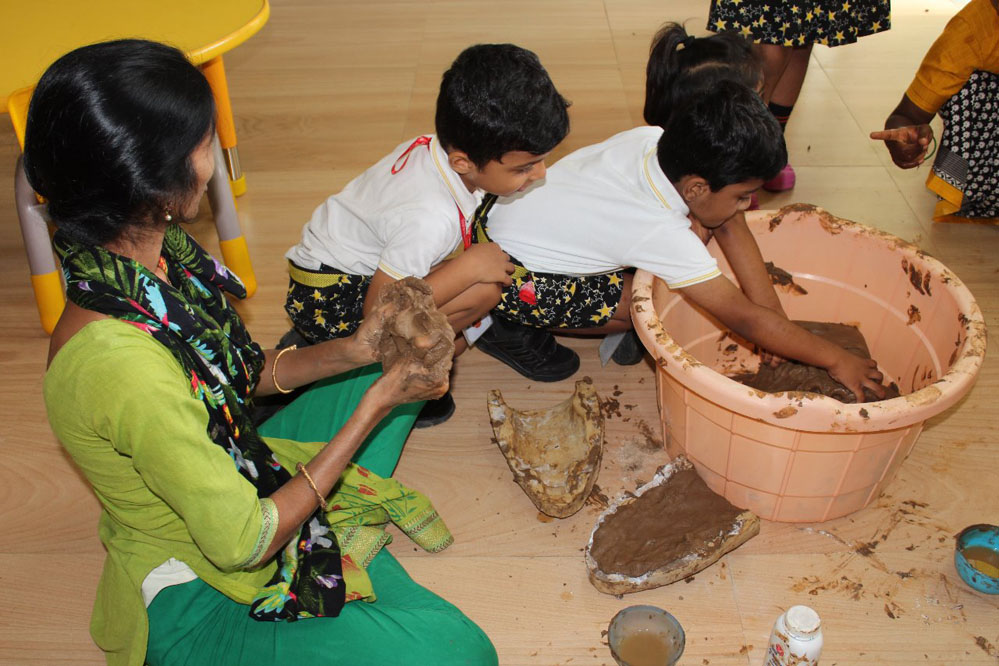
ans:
(651, 199)
(498, 117)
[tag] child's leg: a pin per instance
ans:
(788, 86)
(471, 305)
(619, 321)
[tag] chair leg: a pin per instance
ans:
(46, 280)
(214, 71)
(235, 252)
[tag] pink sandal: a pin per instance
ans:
(782, 182)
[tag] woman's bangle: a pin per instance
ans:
(274, 374)
(322, 500)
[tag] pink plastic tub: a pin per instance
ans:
(802, 457)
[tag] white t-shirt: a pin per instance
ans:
(602, 208)
(402, 215)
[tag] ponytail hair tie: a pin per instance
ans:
(688, 41)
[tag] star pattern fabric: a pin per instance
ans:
(798, 23)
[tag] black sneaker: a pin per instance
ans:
(630, 351)
(435, 412)
(533, 352)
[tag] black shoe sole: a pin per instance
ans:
(553, 375)
(630, 351)
(440, 410)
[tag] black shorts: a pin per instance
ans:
(325, 304)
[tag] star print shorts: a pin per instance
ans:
(800, 22)
(325, 304)
(550, 300)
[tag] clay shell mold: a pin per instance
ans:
(554, 453)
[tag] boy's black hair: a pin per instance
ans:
(111, 128)
(725, 135)
(681, 65)
(496, 98)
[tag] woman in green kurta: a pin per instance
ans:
(217, 552)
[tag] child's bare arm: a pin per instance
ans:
(482, 262)
(378, 282)
(770, 330)
(743, 254)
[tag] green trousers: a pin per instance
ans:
(193, 624)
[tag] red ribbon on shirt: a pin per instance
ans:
(404, 158)
(400, 164)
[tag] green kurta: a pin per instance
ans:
(121, 405)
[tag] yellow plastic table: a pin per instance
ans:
(36, 34)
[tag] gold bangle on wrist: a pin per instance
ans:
(274, 373)
(312, 484)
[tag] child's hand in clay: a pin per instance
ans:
(907, 145)
(770, 358)
(491, 263)
(855, 373)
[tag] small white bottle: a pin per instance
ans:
(796, 638)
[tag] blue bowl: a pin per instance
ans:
(986, 536)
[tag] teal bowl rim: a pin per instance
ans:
(974, 578)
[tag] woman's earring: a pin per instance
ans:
(167, 216)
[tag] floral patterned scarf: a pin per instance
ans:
(191, 317)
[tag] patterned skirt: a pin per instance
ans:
(801, 22)
(966, 170)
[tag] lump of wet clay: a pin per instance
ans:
(413, 329)
(793, 376)
(554, 453)
(671, 528)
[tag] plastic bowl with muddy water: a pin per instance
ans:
(803, 457)
(645, 636)
(976, 557)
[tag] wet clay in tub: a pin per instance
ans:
(413, 330)
(793, 376)
(671, 528)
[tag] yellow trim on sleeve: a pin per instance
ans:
(648, 177)
(686, 283)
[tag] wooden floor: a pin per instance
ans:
(326, 89)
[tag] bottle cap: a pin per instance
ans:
(801, 620)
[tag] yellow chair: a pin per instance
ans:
(45, 276)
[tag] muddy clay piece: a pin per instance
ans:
(781, 278)
(415, 331)
(671, 528)
(794, 376)
(554, 453)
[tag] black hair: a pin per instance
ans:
(680, 65)
(496, 98)
(110, 130)
(725, 135)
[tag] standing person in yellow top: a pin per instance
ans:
(959, 79)
(784, 32)
(498, 117)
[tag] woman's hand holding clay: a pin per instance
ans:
(907, 145)
(414, 342)
(492, 263)
(857, 373)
